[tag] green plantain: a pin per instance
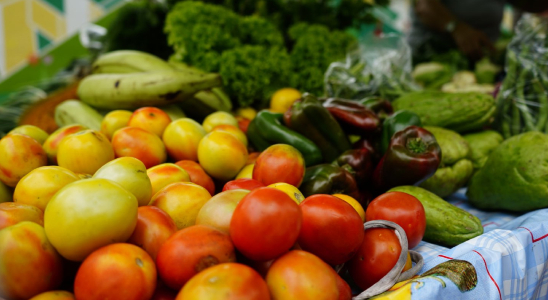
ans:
(134, 90)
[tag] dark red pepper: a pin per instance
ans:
(361, 162)
(354, 117)
(412, 157)
(287, 117)
(329, 179)
(380, 106)
(371, 146)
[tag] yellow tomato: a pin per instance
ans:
(29, 264)
(34, 132)
(246, 112)
(51, 145)
(88, 214)
(131, 174)
(182, 201)
(12, 213)
(290, 190)
(235, 131)
(19, 154)
(54, 295)
(85, 151)
(357, 206)
(115, 120)
(246, 172)
(151, 119)
(283, 99)
(165, 174)
(408, 263)
(181, 138)
(139, 143)
(38, 186)
(217, 211)
(84, 175)
(219, 118)
(222, 155)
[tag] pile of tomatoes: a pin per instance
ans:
(105, 215)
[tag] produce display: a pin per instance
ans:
(256, 163)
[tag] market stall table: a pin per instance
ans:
(510, 259)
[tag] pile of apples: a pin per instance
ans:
(90, 214)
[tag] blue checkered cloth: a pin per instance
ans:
(511, 258)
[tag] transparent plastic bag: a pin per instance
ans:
(522, 99)
(380, 66)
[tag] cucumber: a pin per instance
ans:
(77, 112)
(446, 224)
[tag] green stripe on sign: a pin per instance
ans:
(58, 4)
(43, 41)
(107, 4)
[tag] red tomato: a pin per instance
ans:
(191, 250)
(243, 183)
(377, 255)
(332, 229)
(265, 224)
(243, 123)
(280, 163)
(402, 209)
(131, 274)
(154, 227)
(345, 292)
(197, 175)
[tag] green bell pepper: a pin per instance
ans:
(397, 122)
(266, 129)
(310, 118)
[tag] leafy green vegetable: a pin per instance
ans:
(338, 14)
(251, 74)
(255, 30)
(199, 33)
(314, 48)
(250, 52)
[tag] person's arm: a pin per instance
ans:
(437, 17)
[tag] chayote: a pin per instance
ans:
(455, 168)
(514, 177)
(481, 145)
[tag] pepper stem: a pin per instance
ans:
(416, 145)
